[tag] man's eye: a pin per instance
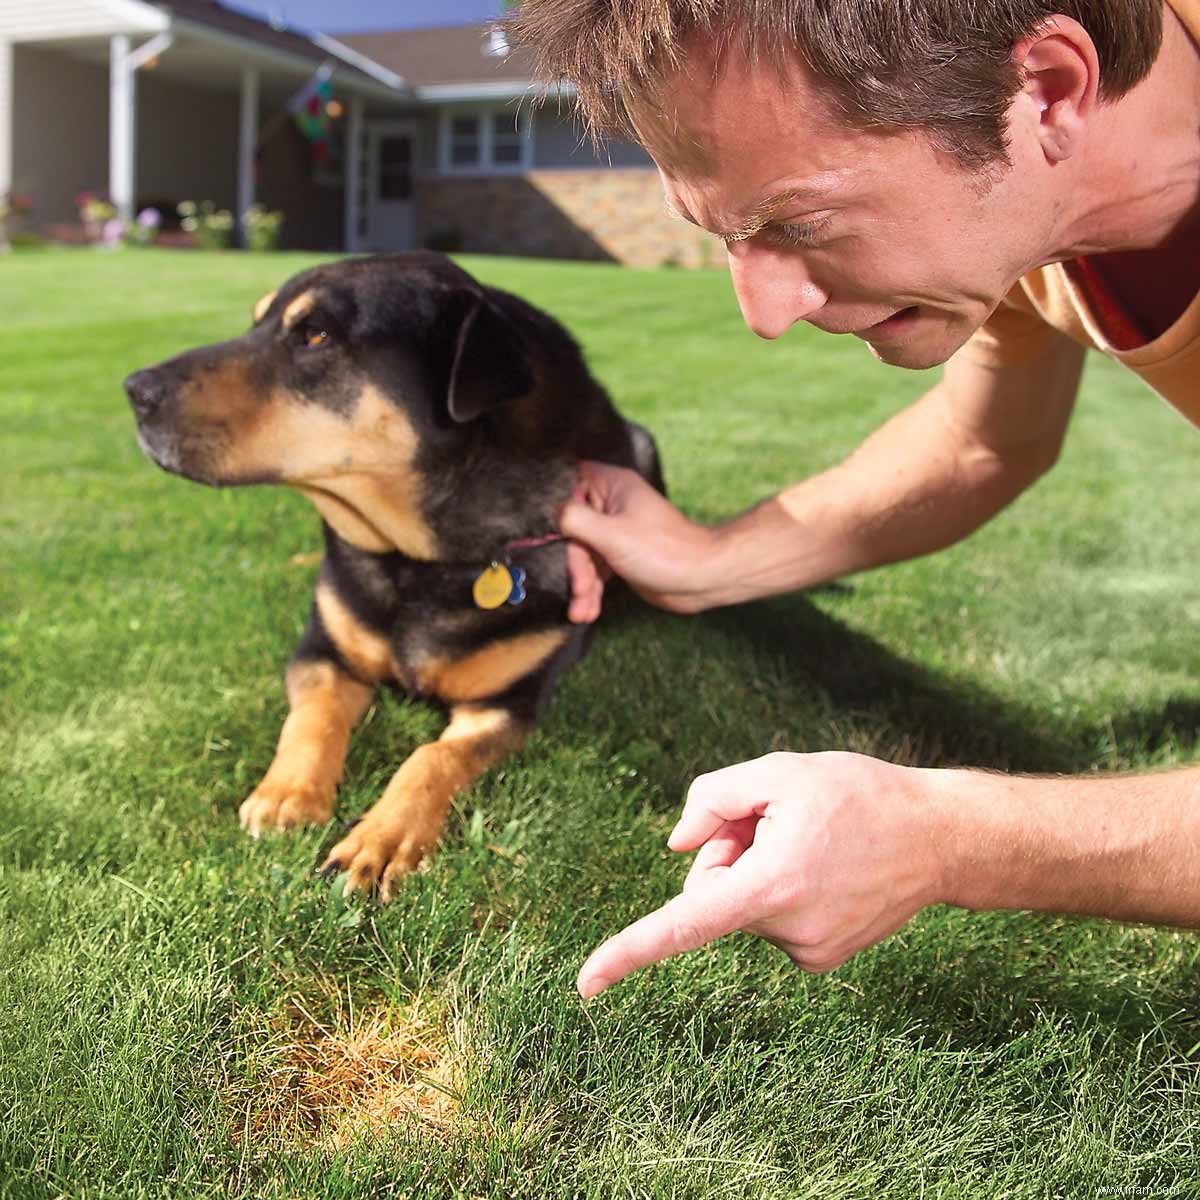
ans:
(799, 234)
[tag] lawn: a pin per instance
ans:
(191, 1013)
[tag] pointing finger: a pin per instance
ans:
(685, 923)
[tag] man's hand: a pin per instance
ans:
(821, 854)
(619, 524)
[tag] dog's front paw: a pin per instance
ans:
(377, 856)
(275, 806)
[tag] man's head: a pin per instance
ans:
(878, 168)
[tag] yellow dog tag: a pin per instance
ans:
(493, 587)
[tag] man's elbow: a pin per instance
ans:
(1012, 470)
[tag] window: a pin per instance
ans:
(495, 138)
(506, 139)
(466, 141)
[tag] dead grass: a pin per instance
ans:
(339, 1071)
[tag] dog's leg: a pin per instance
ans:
(299, 787)
(407, 821)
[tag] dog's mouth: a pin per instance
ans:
(184, 456)
(160, 448)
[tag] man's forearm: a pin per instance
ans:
(1122, 847)
(917, 485)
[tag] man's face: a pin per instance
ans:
(879, 235)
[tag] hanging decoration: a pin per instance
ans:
(310, 108)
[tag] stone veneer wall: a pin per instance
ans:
(610, 214)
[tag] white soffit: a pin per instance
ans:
(54, 20)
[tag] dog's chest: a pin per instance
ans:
(420, 629)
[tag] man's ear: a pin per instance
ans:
(1060, 68)
(489, 367)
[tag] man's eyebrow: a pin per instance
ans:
(759, 216)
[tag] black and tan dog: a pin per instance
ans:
(437, 425)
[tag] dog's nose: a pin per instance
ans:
(145, 390)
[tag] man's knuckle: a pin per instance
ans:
(811, 935)
(686, 934)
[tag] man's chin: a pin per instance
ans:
(926, 343)
(911, 358)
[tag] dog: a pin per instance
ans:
(437, 426)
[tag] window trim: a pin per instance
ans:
(486, 115)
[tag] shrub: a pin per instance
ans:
(95, 213)
(144, 231)
(27, 240)
(262, 227)
(14, 208)
(212, 227)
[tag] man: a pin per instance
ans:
(992, 186)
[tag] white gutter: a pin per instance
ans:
(508, 89)
(282, 58)
(367, 65)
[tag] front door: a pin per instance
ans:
(391, 150)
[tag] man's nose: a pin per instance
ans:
(773, 288)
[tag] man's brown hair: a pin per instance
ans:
(941, 66)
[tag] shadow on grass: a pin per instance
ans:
(901, 703)
(836, 688)
(1175, 726)
(937, 722)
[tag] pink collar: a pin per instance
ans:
(529, 542)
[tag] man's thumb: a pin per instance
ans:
(582, 523)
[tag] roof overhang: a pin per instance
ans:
(99, 18)
(257, 54)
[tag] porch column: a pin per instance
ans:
(6, 117)
(121, 128)
(247, 144)
(353, 181)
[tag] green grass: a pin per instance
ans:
(151, 957)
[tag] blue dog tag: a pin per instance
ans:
(518, 585)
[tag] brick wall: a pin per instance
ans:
(612, 214)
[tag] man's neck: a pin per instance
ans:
(1138, 183)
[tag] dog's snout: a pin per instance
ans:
(145, 390)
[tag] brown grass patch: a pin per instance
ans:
(342, 1070)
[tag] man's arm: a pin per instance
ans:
(826, 854)
(931, 475)
(1125, 847)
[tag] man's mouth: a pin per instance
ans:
(898, 322)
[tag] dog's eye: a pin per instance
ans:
(315, 338)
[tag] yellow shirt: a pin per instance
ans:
(1051, 299)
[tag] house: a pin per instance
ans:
(436, 136)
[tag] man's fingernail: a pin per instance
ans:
(592, 986)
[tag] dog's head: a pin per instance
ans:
(355, 381)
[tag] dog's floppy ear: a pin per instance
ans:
(489, 366)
